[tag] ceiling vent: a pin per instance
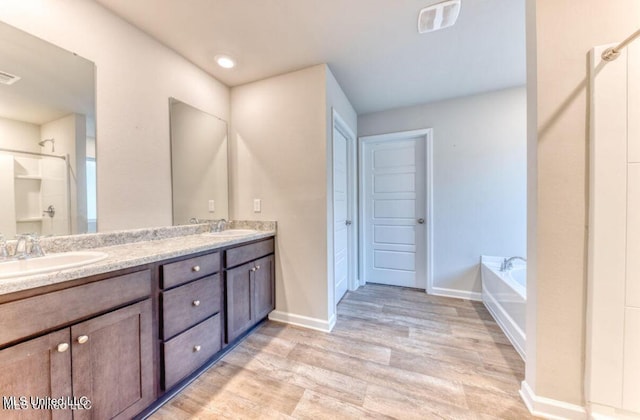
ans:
(438, 16)
(8, 78)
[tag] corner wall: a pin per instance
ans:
(278, 145)
(337, 101)
(479, 180)
(564, 33)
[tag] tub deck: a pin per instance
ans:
(505, 296)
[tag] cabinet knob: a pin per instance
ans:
(257, 267)
(62, 347)
(253, 269)
(196, 303)
(195, 268)
(83, 339)
(196, 349)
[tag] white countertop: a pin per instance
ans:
(130, 255)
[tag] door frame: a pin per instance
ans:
(425, 134)
(338, 123)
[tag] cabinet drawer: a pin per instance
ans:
(188, 351)
(187, 305)
(179, 272)
(26, 317)
(242, 254)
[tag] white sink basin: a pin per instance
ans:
(52, 262)
(233, 232)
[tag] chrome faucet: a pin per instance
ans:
(36, 248)
(22, 250)
(218, 225)
(507, 263)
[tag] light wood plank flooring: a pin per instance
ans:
(394, 353)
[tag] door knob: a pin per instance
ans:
(421, 221)
(347, 222)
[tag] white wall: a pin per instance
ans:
(70, 135)
(135, 76)
(278, 146)
(479, 179)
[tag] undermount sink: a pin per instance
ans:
(52, 262)
(233, 232)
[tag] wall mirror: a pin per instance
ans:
(200, 186)
(47, 138)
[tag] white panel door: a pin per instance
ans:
(394, 212)
(340, 213)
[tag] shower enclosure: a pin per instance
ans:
(35, 193)
(613, 297)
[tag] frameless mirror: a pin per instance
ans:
(198, 164)
(47, 137)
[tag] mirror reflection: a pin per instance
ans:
(198, 164)
(47, 138)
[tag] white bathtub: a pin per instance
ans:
(505, 296)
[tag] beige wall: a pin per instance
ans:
(19, 135)
(135, 76)
(565, 31)
(278, 146)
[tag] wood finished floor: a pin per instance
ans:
(394, 353)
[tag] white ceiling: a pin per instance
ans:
(372, 46)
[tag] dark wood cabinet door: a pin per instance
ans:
(36, 368)
(264, 293)
(113, 362)
(239, 291)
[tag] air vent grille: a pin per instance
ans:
(8, 78)
(438, 16)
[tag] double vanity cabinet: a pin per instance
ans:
(116, 344)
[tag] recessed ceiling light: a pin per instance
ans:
(225, 61)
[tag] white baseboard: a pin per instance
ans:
(454, 293)
(304, 321)
(603, 412)
(550, 409)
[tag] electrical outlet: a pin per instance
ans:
(257, 205)
(212, 206)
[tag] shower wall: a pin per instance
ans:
(29, 183)
(613, 332)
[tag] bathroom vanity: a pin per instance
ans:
(117, 342)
